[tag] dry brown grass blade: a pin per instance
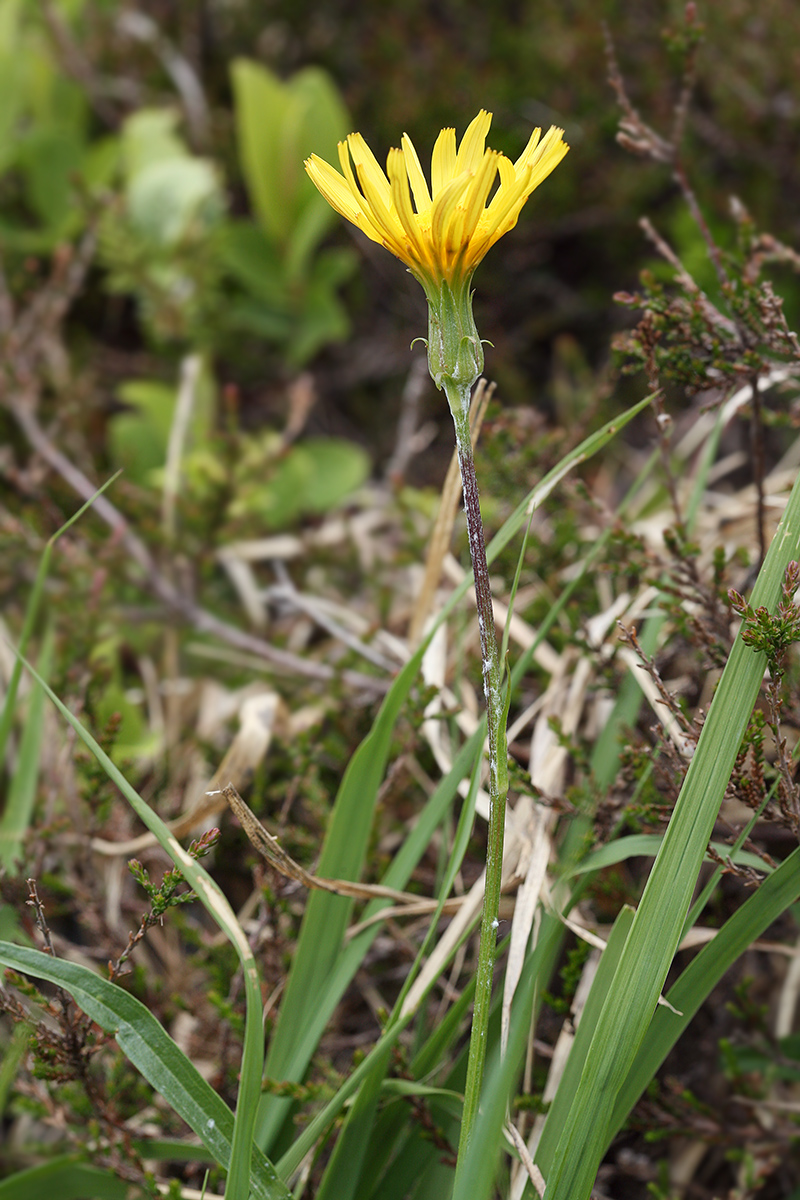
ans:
(270, 848)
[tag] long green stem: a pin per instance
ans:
(459, 398)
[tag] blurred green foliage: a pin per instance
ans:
(241, 258)
(138, 436)
(290, 285)
(277, 486)
(48, 152)
(157, 238)
(205, 277)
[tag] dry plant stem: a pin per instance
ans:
(35, 903)
(176, 600)
(270, 849)
(459, 400)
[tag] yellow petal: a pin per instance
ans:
(533, 142)
(401, 200)
(419, 186)
(443, 161)
(470, 152)
(505, 201)
(444, 209)
(333, 187)
(370, 175)
(347, 168)
(474, 202)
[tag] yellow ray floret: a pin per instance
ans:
(444, 233)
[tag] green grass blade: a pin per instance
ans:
(327, 916)
(647, 845)
(460, 843)
(17, 814)
(606, 751)
(394, 1138)
(568, 1086)
(31, 614)
(588, 447)
(13, 1053)
(309, 986)
(153, 1052)
(475, 1179)
(778, 891)
(665, 902)
(171, 1150)
(216, 904)
(321, 1123)
(343, 1173)
(396, 876)
(341, 1177)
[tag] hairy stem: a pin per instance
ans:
(459, 398)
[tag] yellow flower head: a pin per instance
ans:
(448, 229)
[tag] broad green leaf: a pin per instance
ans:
(153, 1052)
(254, 262)
(12, 77)
(319, 473)
(313, 476)
(138, 438)
(66, 1178)
(278, 126)
(50, 157)
(321, 122)
(321, 317)
(262, 105)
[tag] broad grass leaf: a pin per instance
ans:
(153, 1052)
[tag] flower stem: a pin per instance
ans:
(458, 397)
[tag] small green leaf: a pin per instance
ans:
(137, 439)
(170, 199)
(312, 477)
(149, 136)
